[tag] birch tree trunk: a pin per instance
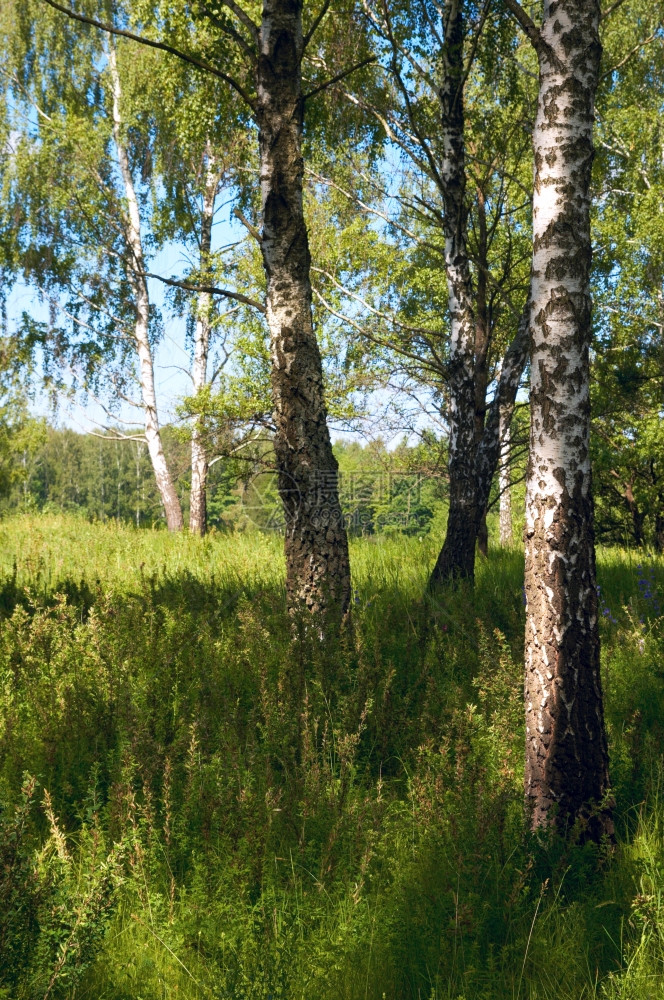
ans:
(457, 557)
(504, 484)
(482, 343)
(132, 227)
(316, 547)
(473, 452)
(566, 781)
(500, 412)
(199, 458)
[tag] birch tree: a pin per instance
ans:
(200, 160)
(131, 223)
(459, 207)
(505, 486)
(317, 567)
(78, 169)
(114, 216)
(316, 550)
(566, 778)
(474, 441)
(270, 84)
(199, 458)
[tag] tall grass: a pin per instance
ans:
(198, 802)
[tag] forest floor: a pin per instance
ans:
(198, 803)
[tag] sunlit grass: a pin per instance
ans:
(248, 816)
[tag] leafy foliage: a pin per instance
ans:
(629, 283)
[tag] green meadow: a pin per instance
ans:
(200, 800)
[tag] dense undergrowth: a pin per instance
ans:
(199, 803)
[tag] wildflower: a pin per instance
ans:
(603, 607)
(648, 589)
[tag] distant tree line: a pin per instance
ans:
(108, 478)
(402, 490)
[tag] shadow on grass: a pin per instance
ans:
(307, 819)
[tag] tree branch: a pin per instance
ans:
(392, 134)
(116, 435)
(210, 289)
(379, 341)
(231, 32)
(355, 199)
(609, 10)
(418, 136)
(247, 225)
(526, 23)
(473, 48)
(162, 46)
(335, 79)
(632, 52)
(421, 330)
(242, 16)
(316, 21)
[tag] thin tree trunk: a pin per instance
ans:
(471, 449)
(316, 547)
(457, 557)
(504, 484)
(199, 458)
(566, 778)
(169, 497)
(500, 412)
(482, 342)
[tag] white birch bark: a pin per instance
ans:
(199, 458)
(504, 481)
(566, 752)
(132, 227)
(499, 415)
